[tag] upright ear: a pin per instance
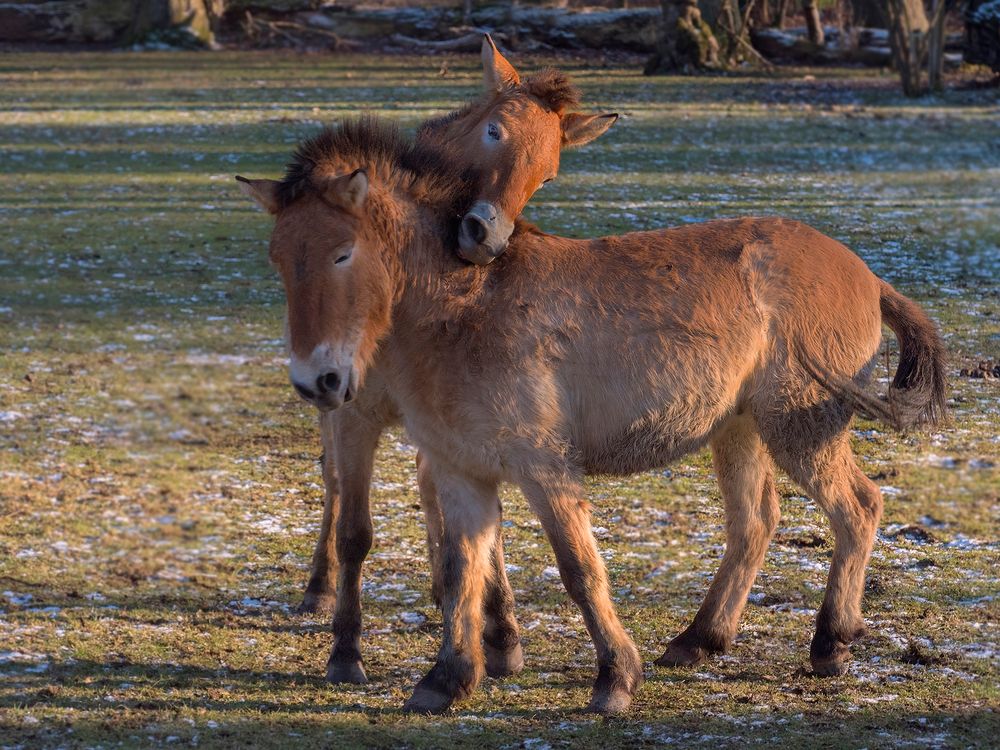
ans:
(349, 191)
(356, 190)
(265, 192)
(578, 129)
(498, 74)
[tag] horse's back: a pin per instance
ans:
(635, 349)
(692, 323)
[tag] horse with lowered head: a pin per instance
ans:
(607, 356)
(505, 143)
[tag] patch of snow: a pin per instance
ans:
(412, 618)
(17, 599)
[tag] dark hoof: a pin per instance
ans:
(833, 664)
(678, 655)
(427, 700)
(503, 663)
(691, 648)
(321, 603)
(445, 683)
(829, 654)
(614, 689)
(610, 702)
(349, 672)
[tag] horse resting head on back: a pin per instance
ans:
(508, 143)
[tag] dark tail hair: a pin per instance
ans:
(917, 392)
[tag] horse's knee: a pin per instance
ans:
(354, 542)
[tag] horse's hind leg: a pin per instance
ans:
(558, 502)
(813, 448)
(501, 635)
(434, 522)
(471, 516)
(746, 478)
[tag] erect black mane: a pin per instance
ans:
(429, 126)
(554, 88)
(379, 147)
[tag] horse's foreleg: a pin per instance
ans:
(320, 594)
(470, 510)
(559, 504)
(354, 443)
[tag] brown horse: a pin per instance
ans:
(505, 142)
(613, 355)
(511, 136)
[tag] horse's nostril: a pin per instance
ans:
(328, 382)
(475, 228)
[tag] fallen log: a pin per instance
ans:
(787, 46)
(435, 27)
(473, 41)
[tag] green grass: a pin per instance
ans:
(160, 491)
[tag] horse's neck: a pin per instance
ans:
(433, 274)
(394, 223)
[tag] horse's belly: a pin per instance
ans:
(653, 418)
(654, 440)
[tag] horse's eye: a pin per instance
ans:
(547, 181)
(493, 131)
(343, 258)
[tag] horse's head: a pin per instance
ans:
(339, 292)
(511, 137)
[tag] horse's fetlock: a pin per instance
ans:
(502, 637)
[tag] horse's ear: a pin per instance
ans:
(356, 189)
(264, 192)
(578, 129)
(348, 191)
(498, 74)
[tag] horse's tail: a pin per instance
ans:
(917, 392)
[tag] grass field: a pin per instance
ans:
(159, 488)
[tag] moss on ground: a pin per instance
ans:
(160, 491)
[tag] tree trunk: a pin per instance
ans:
(868, 13)
(710, 10)
(687, 43)
(761, 15)
(982, 33)
(187, 20)
(781, 13)
(935, 46)
(908, 30)
(813, 23)
(732, 29)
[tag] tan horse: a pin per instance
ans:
(613, 355)
(508, 141)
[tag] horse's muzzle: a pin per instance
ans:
(331, 389)
(483, 234)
